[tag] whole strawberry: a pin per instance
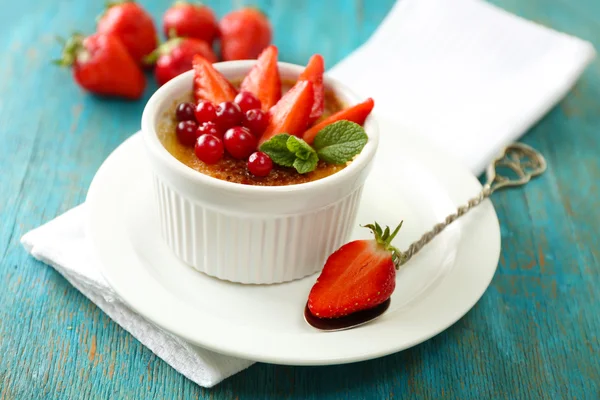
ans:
(358, 276)
(132, 25)
(245, 33)
(190, 20)
(102, 65)
(175, 56)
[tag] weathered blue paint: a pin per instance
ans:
(534, 334)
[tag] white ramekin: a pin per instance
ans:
(244, 233)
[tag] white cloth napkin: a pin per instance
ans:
(466, 74)
(61, 243)
(469, 76)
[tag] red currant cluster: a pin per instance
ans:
(234, 127)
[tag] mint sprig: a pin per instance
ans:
(337, 143)
(276, 148)
(291, 151)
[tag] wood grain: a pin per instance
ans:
(534, 334)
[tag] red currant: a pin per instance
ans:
(256, 120)
(185, 112)
(247, 101)
(239, 142)
(260, 164)
(186, 132)
(228, 115)
(210, 127)
(209, 148)
(205, 112)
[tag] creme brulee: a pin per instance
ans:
(236, 170)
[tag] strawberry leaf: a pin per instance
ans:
(384, 239)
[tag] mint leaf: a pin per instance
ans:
(290, 151)
(299, 147)
(306, 157)
(308, 165)
(339, 142)
(304, 154)
(277, 149)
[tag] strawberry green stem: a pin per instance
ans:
(172, 33)
(258, 9)
(112, 3)
(109, 4)
(384, 239)
(71, 48)
(183, 3)
(162, 50)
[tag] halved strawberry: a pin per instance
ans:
(358, 276)
(314, 73)
(290, 114)
(263, 80)
(357, 114)
(210, 84)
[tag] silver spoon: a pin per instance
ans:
(524, 161)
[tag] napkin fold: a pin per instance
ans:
(467, 75)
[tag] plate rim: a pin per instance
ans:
(258, 355)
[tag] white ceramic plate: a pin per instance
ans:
(410, 181)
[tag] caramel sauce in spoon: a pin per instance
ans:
(349, 321)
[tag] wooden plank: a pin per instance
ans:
(533, 334)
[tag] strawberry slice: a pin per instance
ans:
(210, 84)
(314, 73)
(357, 114)
(360, 275)
(263, 80)
(290, 114)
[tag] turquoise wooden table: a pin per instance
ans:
(534, 334)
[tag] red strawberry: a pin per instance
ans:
(102, 65)
(290, 114)
(132, 25)
(190, 20)
(175, 57)
(263, 80)
(245, 33)
(358, 276)
(314, 72)
(210, 84)
(357, 114)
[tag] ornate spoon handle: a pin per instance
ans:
(521, 160)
